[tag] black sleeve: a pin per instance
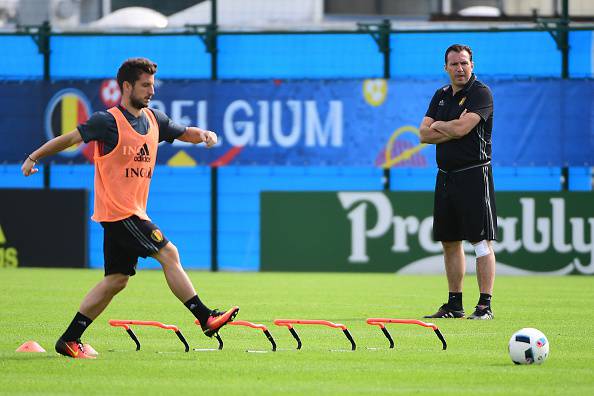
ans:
(481, 103)
(97, 127)
(432, 110)
(168, 130)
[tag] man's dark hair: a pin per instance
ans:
(458, 48)
(132, 68)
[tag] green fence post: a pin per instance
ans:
(212, 41)
(560, 33)
(381, 35)
(44, 33)
(41, 36)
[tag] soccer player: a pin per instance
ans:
(459, 122)
(126, 141)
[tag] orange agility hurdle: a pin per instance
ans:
(288, 323)
(127, 323)
(258, 327)
(246, 324)
(381, 323)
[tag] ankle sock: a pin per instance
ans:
(485, 299)
(200, 311)
(455, 300)
(77, 327)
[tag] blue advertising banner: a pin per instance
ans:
(322, 122)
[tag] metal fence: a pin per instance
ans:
(377, 50)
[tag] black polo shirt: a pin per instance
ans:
(102, 127)
(475, 147)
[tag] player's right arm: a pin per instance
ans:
(51, 147)
(428, 134)
(431, 135)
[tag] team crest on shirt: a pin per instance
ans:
(462, 101)
(157, 236)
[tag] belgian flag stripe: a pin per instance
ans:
(57, 119)
(82, 115)
(70, 112)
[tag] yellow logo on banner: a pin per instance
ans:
(181, 159)
(8, 255)
(404, 155)
(375, 91)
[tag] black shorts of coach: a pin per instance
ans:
(126, 240)
(464, 206)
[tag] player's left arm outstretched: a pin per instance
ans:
(198, 135)
(51, 147)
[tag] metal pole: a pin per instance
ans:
(384, 40)
(563, 34)
(212, 40)
(47, 176)
(44, 47)
(214, 221)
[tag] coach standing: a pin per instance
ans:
(459, 122)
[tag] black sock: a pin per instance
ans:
(455, 301)
(200, 311)
(485, 299)
(76, 328)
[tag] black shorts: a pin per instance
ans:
(126, 240)
(464, 206)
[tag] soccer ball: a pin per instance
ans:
(110, 93)
(528, 346)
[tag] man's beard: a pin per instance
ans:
(137, 103)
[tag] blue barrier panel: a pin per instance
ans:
(101, 56)
(526, 179)
(581, 54)
(505, 179)
(179, 202)
(11, 177)
(298, 56)
(422, 54)
(20, 58)
(239, 202)
(413, 179)
(580, 179)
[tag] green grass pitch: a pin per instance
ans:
(37, 304)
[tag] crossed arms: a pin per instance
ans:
(435, 132)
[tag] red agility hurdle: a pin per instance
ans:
(127, 323)
(288, 323)
(381, 321)
(246, 324)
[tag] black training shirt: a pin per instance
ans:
(102, 127)
(475, 147)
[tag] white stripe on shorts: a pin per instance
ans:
(140, 237)
(488, 201)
